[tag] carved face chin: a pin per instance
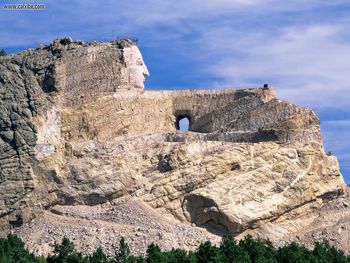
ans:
(135, 67)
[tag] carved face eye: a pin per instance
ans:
(139, 62)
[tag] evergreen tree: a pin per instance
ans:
(259, 250)
(191, 258)
(12, 250)
(230, 251)
(324, 253)
(66, 253)
(320, 252)
(208, 253)
(98, 257)
(2, 52)
(123, 253)
(248, 250)
(133, 259)
(180, 256)
(155, 255)
(295, 253)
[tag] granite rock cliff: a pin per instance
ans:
(77, 128)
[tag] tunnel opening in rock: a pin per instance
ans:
(183, 122)
(204, 212)
(216, 228)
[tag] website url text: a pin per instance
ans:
(24, 7)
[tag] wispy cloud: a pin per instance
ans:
(300, 60)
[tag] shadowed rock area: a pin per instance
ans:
(78, 130)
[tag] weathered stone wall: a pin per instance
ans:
(237, 113)
(200, 105)
(34, 84)
(86, 72)
(135, 112)
(23, 97)
(119, 114)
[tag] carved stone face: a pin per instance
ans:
(135, 67)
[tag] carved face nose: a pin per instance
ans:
(145, 71)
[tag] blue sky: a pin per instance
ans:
(302, 48)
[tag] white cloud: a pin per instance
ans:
(345, 124)
(309, 64)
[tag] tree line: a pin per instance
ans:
(247, 250)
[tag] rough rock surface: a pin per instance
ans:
(92, 226)
(77, 128)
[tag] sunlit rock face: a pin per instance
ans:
(135, 70)
(85, 71)
(38, 87)
(77, 127)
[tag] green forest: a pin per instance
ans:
(247, 250)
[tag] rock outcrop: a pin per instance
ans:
(77, 128)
